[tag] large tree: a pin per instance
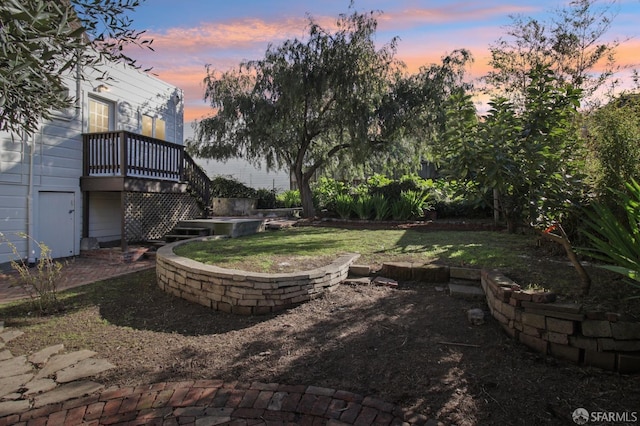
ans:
(571, 43)
(326, 102)
(305, 102)
(529, 155)
(42, 41)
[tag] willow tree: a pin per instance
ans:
(306, 102)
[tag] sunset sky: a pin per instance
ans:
(188, 34)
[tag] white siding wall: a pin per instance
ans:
(57, 153)
(104, 216)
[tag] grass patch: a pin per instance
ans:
(266, 252)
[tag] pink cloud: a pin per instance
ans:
(451, 13)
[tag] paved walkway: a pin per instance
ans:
(76, 272)
(213, 402)
(51, 387)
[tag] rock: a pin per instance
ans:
(43, 355)
(387, 282)
(39, 386)
(475, 316)
(8, 335)
(14, 367)
(358, 281)
(58, 362)
(13, 383)
(13, 407)
(66, 392)
(85, 368)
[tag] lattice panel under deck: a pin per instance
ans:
(149, 216)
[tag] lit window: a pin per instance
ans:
(147, 125)
(154, 127)
(100, 116)
(159, 131)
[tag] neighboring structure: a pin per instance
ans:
(112, 168)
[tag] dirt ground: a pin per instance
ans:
(411, 345)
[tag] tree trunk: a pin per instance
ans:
(306, 196)
(563, 240)
(308, 209)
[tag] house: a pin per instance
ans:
(112, 169)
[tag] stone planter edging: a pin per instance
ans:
(563, 330)
(242, 292)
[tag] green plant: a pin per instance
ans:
(378, 180)
(363, 206)
(381, 207)
(231, 188)
(344, 205)
(325, 192)
(411, 204)
(266, 198)
(289, 198)
(616, 241)
(39, 282)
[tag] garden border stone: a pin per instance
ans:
(243, 292)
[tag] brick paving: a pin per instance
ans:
(214, 402)
(76, 272)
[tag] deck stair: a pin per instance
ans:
(185, 233)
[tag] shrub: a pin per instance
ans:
(266, 198)
(410, 205)
(363, 206)
(391, 192)
(378, 181)
(344, 205)
(617, 241)
(381, 207)
(222, 187)
(289, 198)
(40, 282)
(325, 192)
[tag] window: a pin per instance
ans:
(100, 115)
(153, 126)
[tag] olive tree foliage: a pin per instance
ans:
(530, 155)
(41, 41)
(571, 43)
(613, 138)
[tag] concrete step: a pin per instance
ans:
(466, 291)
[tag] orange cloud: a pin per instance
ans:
(240, 34)
(181, 53)
(457, 12)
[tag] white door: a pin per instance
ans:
(56, 228)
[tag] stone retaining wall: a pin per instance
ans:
(242, 292)
(563, 330)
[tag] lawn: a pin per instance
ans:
(264, 252)
(532, 264)
(388, 343)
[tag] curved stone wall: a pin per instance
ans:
(242, 292)
(563, 330)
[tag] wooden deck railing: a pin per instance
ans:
(128, 154)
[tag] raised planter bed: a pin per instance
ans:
(563, 330)
(242, 292)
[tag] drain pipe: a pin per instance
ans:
(31, 253)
